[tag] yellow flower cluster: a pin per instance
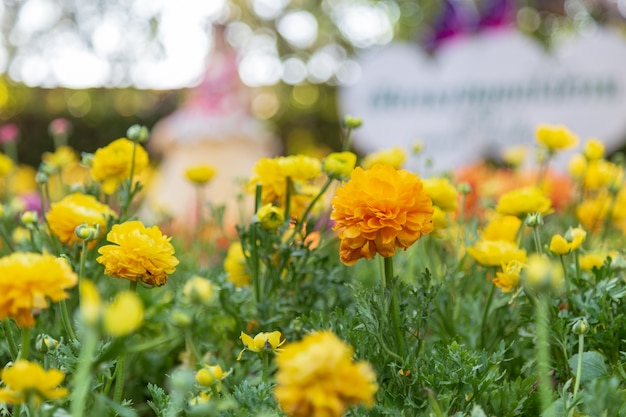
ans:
(318, 377)
(73, 210)
(138, 254)
(112, 164)
(25, 381)
(272, 174)
(27, 280)
(378, 211)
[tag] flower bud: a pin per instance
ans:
(86, 159)
(41, 177)
(181, 319)
(580, 326)
(464, 188)
(209, 375)
(45, 343)
(339, 165)
(138, 133)
(29, 218)
(352, 122)
(270, 217)
(534, 219)
(198, 290)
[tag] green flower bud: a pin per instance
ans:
(29, 218)
(41, 177)
(138, 133)
(534, 219)
(87, 233)
(181, 319)
(464, 188)
(580, 326)
(352, 122)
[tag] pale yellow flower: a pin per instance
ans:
(496, 252)
(339, 164)
(200, 174)
(23, 381)
(124, 315)
(235, 265)
(594, 149)
(555, 138)
(523, 201)
(396, 157)
(442, 193)
(508, 278)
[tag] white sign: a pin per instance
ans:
(480, 94)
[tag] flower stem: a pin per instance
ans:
(266, 366)
(313, 202)
(25, 339)
(82, 379)
(579, 368)
(194, 353)
(346, 142)
(67, 323)
(567, 283)
(8, 331)
(121, 362)
(394, 308)
(5, 237)
(254, 253)
(486, 314)
(537, 240)
(543, 354)
(129, 195)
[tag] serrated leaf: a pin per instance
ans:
(593, 366)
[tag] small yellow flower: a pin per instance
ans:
(496, 252)
(559, 246)
(300, 167)
(200, 174)
(508, 279)
(235, 265)
(124, 315)
(62, 157)
(523, 201)
(112, 164)
(198, 290)
(541, 272)
(396, 157)
(138, 253)
(25, 380)
(90, 302)
(589, 261)
(592, 212)
(442, 193)
(270, 217)
(202, 398)
(594, 149)
(502, 228)
(514, 156)
(317, 376)
(339, 164)
(555, 138)
(6, 165)
(264, 341)
(577, 166)
(210, 375)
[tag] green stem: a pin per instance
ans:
(537, 240)
(82, 379)
(25, 339)
(579, 368)
(577, 266)
(8, 331)
(67, 323)
(566, 278)
(346, 142)
(120, 365)
(288, 199)
(5, 237)
(483, 327)
(543, 354)
(129, 195)
(394, 308)
(194, 353)
(313, 202)
(266, 366)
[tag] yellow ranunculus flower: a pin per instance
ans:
(600, 173)
(592, 212)
(27, 280)
(523, 201)
(264, 341)
(270, 217)
(6, 165)
(442, 193)
(559, 246)
(25, 380)
(235, 265)
(60, 158)
(73, 210)
(138, 253)
(318, 376)
(555, 138)
(124, 315)
(112, 164)
(90, 302)
(300, 167)
(502, 228)
(594, 149)
(540, 272)
(496, 252)
(339, 164)
(508, 278)
(588, 261)
(396, 157)
(198, 290)
(210, 374)
(200, 174)
(577, 166)
(380, 210)
(439, 219)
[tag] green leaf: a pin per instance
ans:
(593, 366)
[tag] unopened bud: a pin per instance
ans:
(29, 217)
(181, 319)
(41, 177)
(580, 326)
(464, 188)
(138, 133)
(534, 219)
(86, 232)
(45, 343)
(352, 122)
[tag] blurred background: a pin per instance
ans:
(107, 64)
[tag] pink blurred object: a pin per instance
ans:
(60, 126)
(9, 133)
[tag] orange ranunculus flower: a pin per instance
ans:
(72, 211)
(112, 164)
(380, 210)
(27, 280)
(139, 253)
